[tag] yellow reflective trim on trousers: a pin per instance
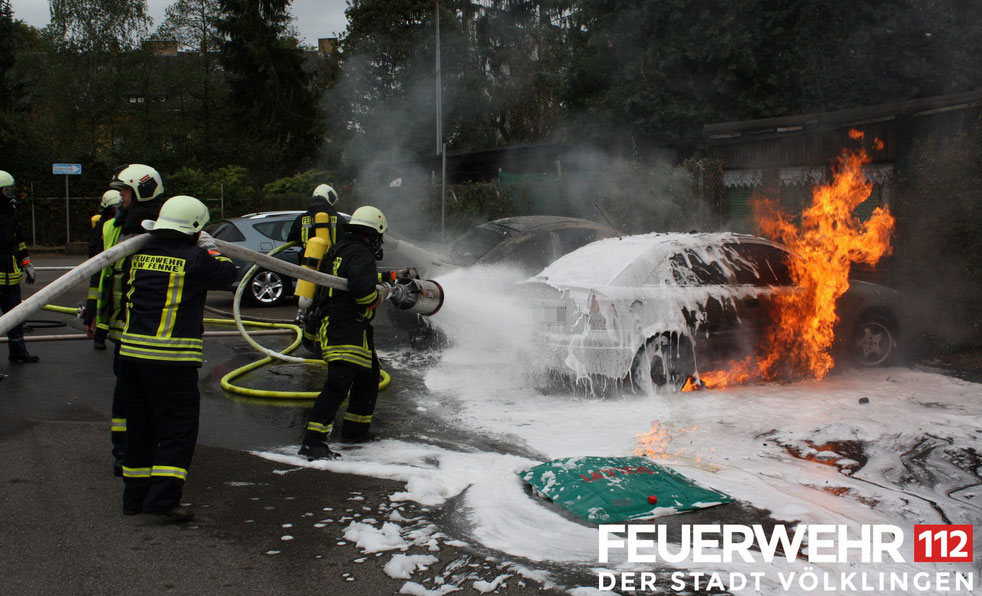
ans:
(118, 425)
(175, 288)
(353, 350)
(317, 427)
(93, 294)
(136, 472)
(152, 341)
(356, 361)
(160, 355)
(357, 418)
(170, 472)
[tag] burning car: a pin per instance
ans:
(666, 306)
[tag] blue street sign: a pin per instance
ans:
(66, 168)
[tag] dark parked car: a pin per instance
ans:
(529, 242)
(657, 305)
(261, 232)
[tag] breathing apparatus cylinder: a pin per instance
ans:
(316, 247)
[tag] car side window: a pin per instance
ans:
(573, 238)
(760, 264)
(689, 269)
(532, 253)
(274, 230)
(228, 232)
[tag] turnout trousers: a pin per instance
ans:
(9, 299)
(117, 428)
(162, 408)
(342, 377)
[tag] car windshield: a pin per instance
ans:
(476, 242)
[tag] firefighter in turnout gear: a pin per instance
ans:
(140, 188)
(165, 285)
(346, 336)
(110, 203)
(304, 226)
(15, 264)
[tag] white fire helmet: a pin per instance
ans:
(367, 220)
(182, 213)
(327, 193)
(110, 198)
(7, 186)
(144, 180)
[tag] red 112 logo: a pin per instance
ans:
(948, 543)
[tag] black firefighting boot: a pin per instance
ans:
(19, 353)
(358, 438)
(180, 513)
(317, 451)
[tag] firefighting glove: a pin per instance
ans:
(29, 271)
(206, 242)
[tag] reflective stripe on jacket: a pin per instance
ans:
(109, 303)
(164, 287)
(346, 315)
(13, 249)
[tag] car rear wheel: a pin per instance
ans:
(665, 360)
(268, 288)
(873, 341)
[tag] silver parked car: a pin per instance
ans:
(660, 306)
(261, 232)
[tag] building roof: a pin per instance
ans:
(725, 133)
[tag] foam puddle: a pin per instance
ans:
(917, 431)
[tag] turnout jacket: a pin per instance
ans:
(347, 316)
(164, 289)
(13, 249)
(109, 298)
(304, 227)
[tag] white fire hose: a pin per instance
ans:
(429, 295)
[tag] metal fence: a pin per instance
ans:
(62, 221)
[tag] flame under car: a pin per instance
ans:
(658, 308)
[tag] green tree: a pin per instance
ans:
(99, 25)
(194, 25)
(270, 93)
(196, 87)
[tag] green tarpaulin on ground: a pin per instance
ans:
(618, 489)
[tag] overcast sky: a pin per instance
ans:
(313, 18)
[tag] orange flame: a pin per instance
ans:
(829, 239)
(656, 442)
(690, 385)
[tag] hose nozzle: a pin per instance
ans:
(421, 296)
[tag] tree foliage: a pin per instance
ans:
(193, 24)
(269, 90)
(99, 25)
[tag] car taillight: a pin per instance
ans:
(601, 312)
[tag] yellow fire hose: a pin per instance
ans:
(239, 322)
(226, 381)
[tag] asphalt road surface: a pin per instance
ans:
(260, 528)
